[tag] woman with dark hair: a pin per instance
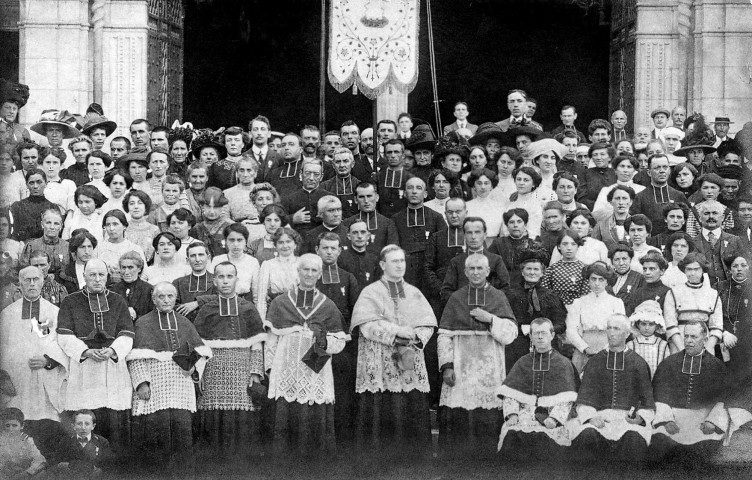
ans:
(97, 164)
(591, 250)
(137, 205)
(236, 239)
(625, 147)
(586, 317)
(119, 184)
(452, 156)
(626, 167)
(115, 245)
(87, 213)
(179, 223)
(440, 184)
(169, 267)
(135, 291)
(179, 140)
(683, 178)
(510, 248)
(7, 245)
(611, 230)
(81, 249)
(694, 301)
(278, 274)
(273, 217)
(527, 180)
(507, 162)
(478, 160)
(262, 194)
(482, 205)
(565, 276)
(677, 247)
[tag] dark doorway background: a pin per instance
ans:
(244, 58)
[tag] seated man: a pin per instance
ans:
(538, 394)
(691, 419)
(615, 404)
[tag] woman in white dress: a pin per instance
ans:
(280, 273)
(483, 205)
(115, 245)
(592, 250)
(509, 159)
(236, 239)
(262, 194)
(87, 213)
(626, 168)
(119, 184)
(97, 163)
(677, 247)
(527, 180)
(137, 205)
(169, 268)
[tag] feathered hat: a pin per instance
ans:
(206, 137)
(700, 137)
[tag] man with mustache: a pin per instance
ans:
(714, 243)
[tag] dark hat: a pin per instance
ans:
(663, 110)
(722, 120)
(138, 155)
(207, 138)
(181, 132)
(527, 130)
(533, 255)
(729, 146)
(95, 118)
(744, 138)
(17, 93)
(700, 137)
(731, 172)
(213, 195)
(422, 138)
(62, 118)
(487, 131)
(447, 145)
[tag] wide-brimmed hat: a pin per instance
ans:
(207, 138)
(138, 155)
(487, 131)
(17, 93)
(546, 145)
(527, 130)
(421, 138)
(665, 111)
(95, 118)
(700, 137)
(722, 120)
(448, 145)
(648, 311)
(731, 172)
(672, 131)
(63, 118)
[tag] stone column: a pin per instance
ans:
(390, 104)
(124, 58)
(722, 60)
(657, 67)
(54, 56)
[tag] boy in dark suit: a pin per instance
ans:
(84, 453)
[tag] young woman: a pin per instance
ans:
(169, 268)
(119, 184)
(626, 168)
(527, 180)
(179, 223)
(97, 164)
(273, 217)
(114, 244)
(59, 191)
(565, 276)
(679, 245)
(483, 205)
(81, 249)
(87, 213)
(137, 205)
(683, 178)
(236, 239)
(280, 273)
(509, 160)
(478, 159)
(611, 230)
(591, 250)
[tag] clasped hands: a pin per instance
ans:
(514, 419)
(99, 354)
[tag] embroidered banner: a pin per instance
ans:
(374, 44)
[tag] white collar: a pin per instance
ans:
(263, 150)
(716, 232)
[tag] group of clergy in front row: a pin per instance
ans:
(90, 355)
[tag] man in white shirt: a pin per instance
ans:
(660, 118)
(461, 112)
(267, 159)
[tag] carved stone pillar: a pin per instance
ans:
(390, 105)
(54, 55)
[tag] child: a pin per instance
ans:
(18, 453)
(211, 229)
(173, 197)
(83, 454)
(647, 319)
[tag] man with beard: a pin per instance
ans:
(357, 259)
(330, 214)
(286, 175)
(714, 243)
(199, 282)
(344, 183)
(619, 122)
(657, 195)
(341, 287)
(530, 300)
(267, 158)
(392, 179)
(442, 247)
(365, 165)
(382, 229)
(302, 203)
(421, 144)
(474, 229)
(414, 225)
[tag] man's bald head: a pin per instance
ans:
(415, 181)
(95, 274)
(95, 264)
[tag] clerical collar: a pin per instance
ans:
(330, 274)
(396, 289)
(393, 178)
(541, 361)
(416, 217)
(615, 361)
(167, 320)
(289, 169)
(228, 307)
(198, 283)
(476, 296)
(455, 237)
(30, 309)
(695, 285)
(661, 193)
(692, 364)
(470, 251)
(305, 298)
(97, 301)
(371, 221)
(343, 186)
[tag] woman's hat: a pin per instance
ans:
(527, 130)
(447, 145)
(546, 145)
(137, 155)
(648, 311)
(421, 138)
(207, 138)
(95, 118)
(62, 118)
(487, 131)
(17, 93)
(700, 137)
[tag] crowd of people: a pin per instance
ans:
(568, 293)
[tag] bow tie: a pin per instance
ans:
(518, 122)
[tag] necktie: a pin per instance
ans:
(711, 239)
(83, 441)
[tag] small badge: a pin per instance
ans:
(427, 234)
(342, 289)
(368, 276)
(574, 279)
(725, 244)
(401, 193)
(629, 288)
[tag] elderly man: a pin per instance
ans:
(690, 417)
(714, 243)
(330, 215)
(615, 404)
(343, 185)
(52, 291)
(168, 356)
(95, 331)
(50, 241)
(305, 329)
(538, 394)
(476, 325)
(394, 322)
(619, 122)
(443, 246)
(302, 204)
(231, 326)
(33, 360)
